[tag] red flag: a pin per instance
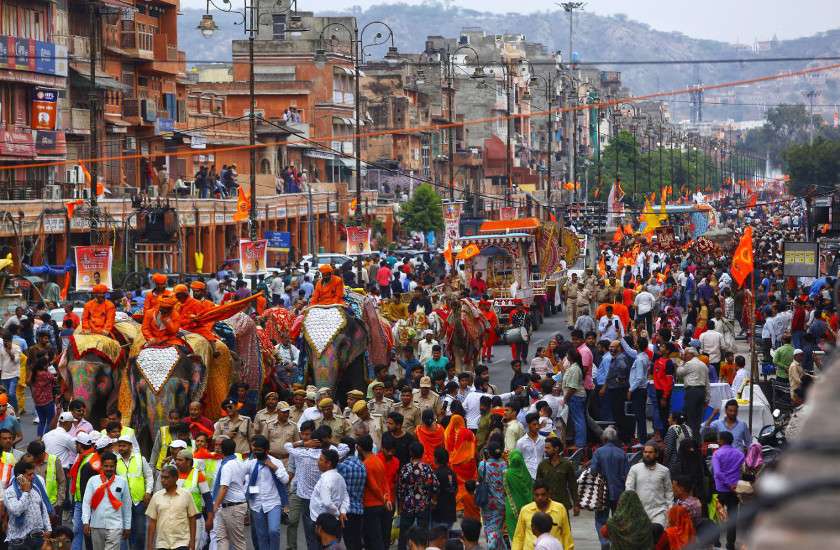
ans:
(742, 260)
(66, 288)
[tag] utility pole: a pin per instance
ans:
(450, 134)
(570, 7)
(508, 159)
(811, 95)
(93, 103)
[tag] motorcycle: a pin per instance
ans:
(772, 438)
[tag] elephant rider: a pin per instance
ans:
(99, 313)
(329, 290)
(188, 307)
(155, 294)
(162, 323)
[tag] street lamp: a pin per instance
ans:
(251, 15)
(550, 94)
(358, 46)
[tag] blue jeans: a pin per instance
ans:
(312, 542)
(11, 387)
(45, 416)
(78, 535)
(796, 338)
(577, 410)
(601, 517)
(203, 192)
(639, 403)
(137, 538)
(267, 527)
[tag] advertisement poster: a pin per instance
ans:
(44, 109)
(801, 259)
(507, 213)
(279, 241)
(451, 221)
(93, 266)
(358, 240)
(253, 257)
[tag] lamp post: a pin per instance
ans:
(550, 94)
(251, 15)
(357, 46)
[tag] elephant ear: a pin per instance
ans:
(321, 325)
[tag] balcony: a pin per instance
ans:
(78, 47)
(131, 39)
(167, 58)
(76, 121)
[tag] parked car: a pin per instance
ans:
(325, 259)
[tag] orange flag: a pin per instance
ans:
(752, 200)
(243, 206)
(71, 206)
(619, 234)
(602, 266)
(742, 260)
(468, 252)
(66, 288)
(85, 172)
(224, 311)
(628, 229)
(447, 254)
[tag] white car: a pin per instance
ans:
(325, 259)
(58, 314)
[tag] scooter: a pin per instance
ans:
(772, 438)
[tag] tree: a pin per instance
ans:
(785, 125)
(813, 169)
(422, 212)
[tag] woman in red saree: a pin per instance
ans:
(490, 334)
(430, 434)
(460, 444)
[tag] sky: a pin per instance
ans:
(731, 21)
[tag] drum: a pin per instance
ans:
(513, 336)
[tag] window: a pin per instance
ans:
(278, 24)
(24, 21)
(265, 166)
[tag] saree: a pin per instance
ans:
(680, 531)
(460, 443)
(629, 528)
(518, 489)
(492, 472)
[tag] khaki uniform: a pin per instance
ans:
(242, 427)
(582, 301)
(602, 295)
(411, 415)
(338, 424)
(371, 426)
(380, 408)
(262, 419)
(431, 401)
(295, 414)
(279, 434)
(615, 292)
(571, 302)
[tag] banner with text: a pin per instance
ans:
(358, 240)
(93, 266)
(451, 221)
(253, 257)
(44, 109)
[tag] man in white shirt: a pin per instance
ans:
(471, 406)
(60, 443)
(277, 288)
(106, 506)
(424, 346)
(532, 444)
(229, 494)
(710, 343)
(330, 494)
(610, 326)
(265, 492)
(645, 303)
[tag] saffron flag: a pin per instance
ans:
(71, 206)
(742, 260)
(752, 200)
(447, 253)
(85, 172)
(470, 251)
(243, 206)
(618, 235)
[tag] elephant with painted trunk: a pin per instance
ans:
(464, 331)
(340, 340)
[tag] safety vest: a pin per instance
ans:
(51, 481)
(190, 483)
(210, 467)
(134, 474)
(165, 440)
(77, 496)
(7, 466)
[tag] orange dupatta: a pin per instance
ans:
(681, 531)
(431, 439)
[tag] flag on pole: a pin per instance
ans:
(615, 208)
(468, 252)
(752, 200)
(618, 235)
(742, 260)
(85, 172)
(447, 253)
(243, 206)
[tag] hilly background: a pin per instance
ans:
(598, 39)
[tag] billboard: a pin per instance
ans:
(801, 259)
(253, 257)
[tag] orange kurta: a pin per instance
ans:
(163, 330)
(189, 309)
(99, 318)
(151, 301)
(331, 293)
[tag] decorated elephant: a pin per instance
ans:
(464, 332)
(92, 366)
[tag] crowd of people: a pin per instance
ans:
(426, 456)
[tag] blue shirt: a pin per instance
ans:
(354, 474)
(611, 462)
(20, 342)
(603, 369)
(741, 437)
(10, 423)
(307, 289)
(639, 371)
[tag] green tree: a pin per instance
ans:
(785, 125)
(422, 212)
(813, 169)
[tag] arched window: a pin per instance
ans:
(265, 166)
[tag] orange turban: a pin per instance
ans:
(197, 285)
(326, 268)
(4, 399)
(180, 289)
(167, 300)
(159, 278)
(99, 289)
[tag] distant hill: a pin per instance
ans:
(596, 38)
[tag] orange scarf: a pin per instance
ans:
(431, 439)
(681, 531)
(203, 453)
(460, 442)
(74, 470)
(102, 490)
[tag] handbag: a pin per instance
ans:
(482, 491)
(592, 490)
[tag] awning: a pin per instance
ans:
(346, 121)
(496, 226)
(82, 78)
(341, 69)
(116, 120)
(350, 164)
(495, 238)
